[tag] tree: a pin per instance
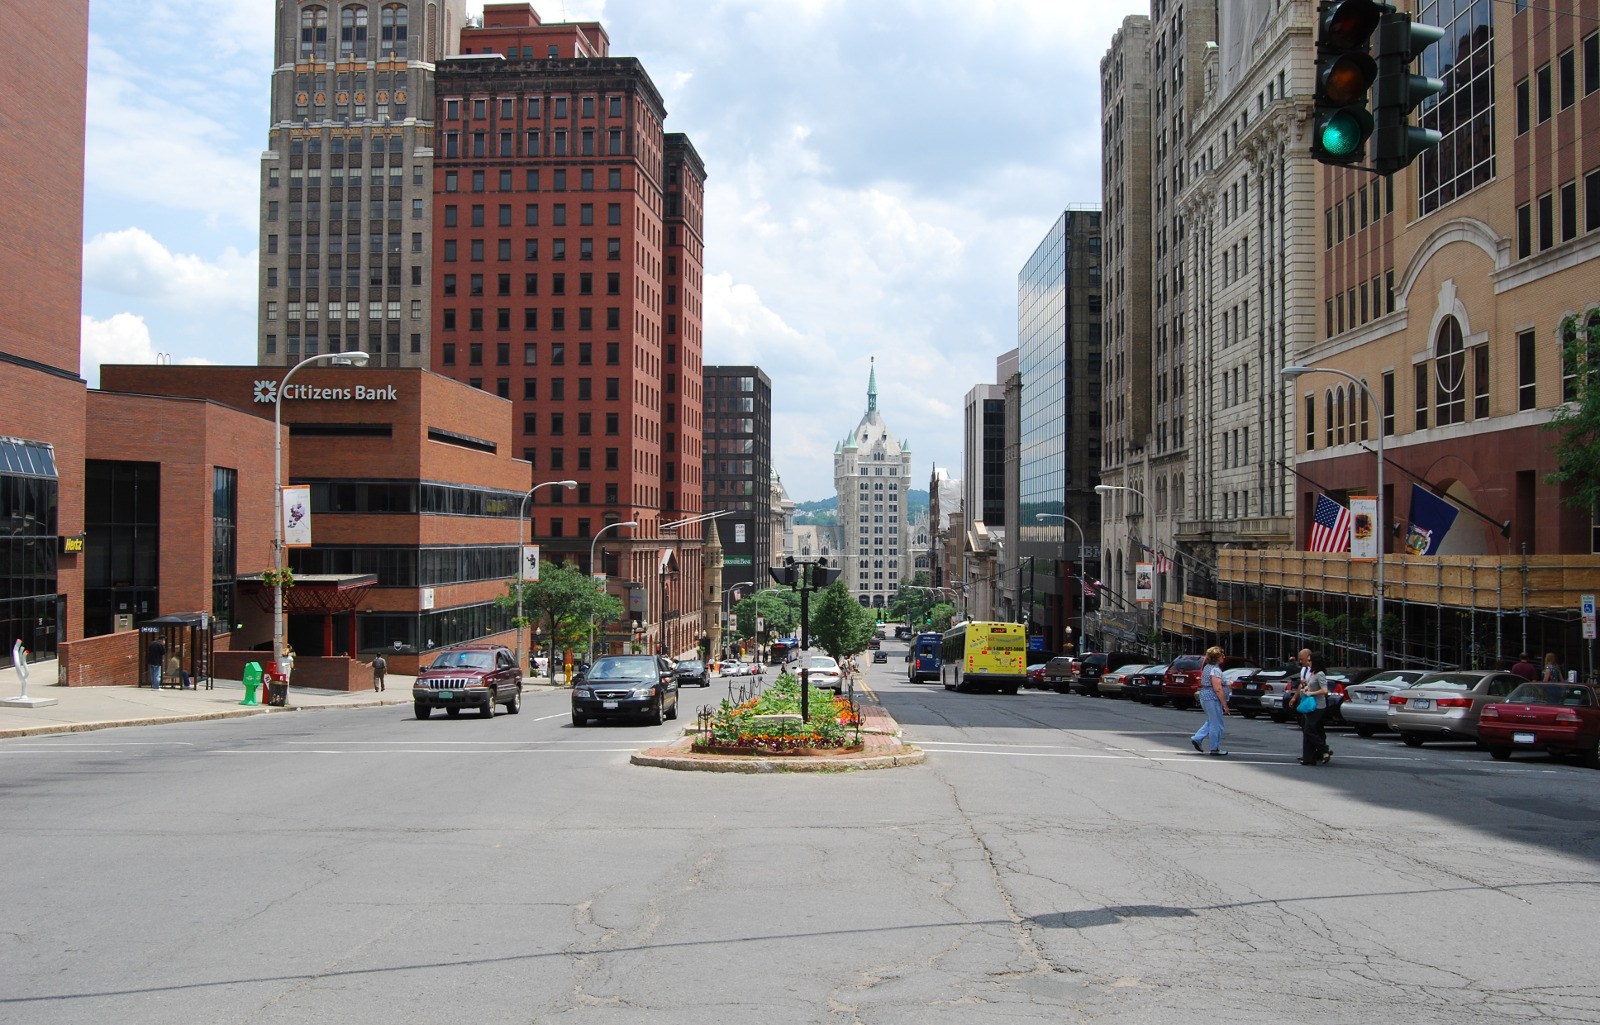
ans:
(840, 625)
(564, 599)
(942, 614)
(1577, 420)
(779, 607)
(913, 600)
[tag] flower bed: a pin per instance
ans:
(758, 726)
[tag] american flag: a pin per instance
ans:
(1330, 526)
(1163, 564)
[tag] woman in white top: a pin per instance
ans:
(1214, 700)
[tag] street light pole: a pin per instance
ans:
(1083, 587)
(354, 358)
(602, 530)
(1383, 521)
(1155, 607)
(522, 563)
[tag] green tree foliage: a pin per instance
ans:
(1577, 421)
(913, 601)
(779, 606)
(943, 614)
(560, 603)
(840, 625)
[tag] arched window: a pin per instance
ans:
(1449, 375)
(1339, 415)
(353, 32)
(392, 41)
(314, 33)
(1327, 418)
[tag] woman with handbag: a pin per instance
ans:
(1313, 707)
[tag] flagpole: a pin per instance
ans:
(1383, 521)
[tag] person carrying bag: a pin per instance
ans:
(1313, 705)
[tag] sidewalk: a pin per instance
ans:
(95, 708)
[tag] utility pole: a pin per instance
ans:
(805, 576)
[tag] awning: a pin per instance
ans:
(313, 593)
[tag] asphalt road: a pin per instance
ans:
(1057, 859)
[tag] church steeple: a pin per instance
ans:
(872, 386)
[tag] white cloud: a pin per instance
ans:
(120, 338)
(131, 262)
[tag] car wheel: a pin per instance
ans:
(453, 711)
(1411, 739)
(422, 710)
(1250, 715)
(1591, 757)
(674, 713)
(515, 704)
(1009, 690)
(1500, 754)
(1280, 718)
(578, 721)
(658, 714)
(1182, 704)
(1158, 702)
(487, 711)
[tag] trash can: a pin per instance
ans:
(277, 684)
(252, 683)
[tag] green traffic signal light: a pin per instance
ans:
(1342, 134)
(1345, 72)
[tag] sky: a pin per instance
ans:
(878, 171)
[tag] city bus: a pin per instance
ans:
(922, 663)
(985, 656)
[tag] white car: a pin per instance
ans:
(739, 669)
(824, 673)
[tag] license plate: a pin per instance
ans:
(608, 704)
(1522, 738)
(446, 695)
(1370, 699)
(1252, 688)
(1420, 703)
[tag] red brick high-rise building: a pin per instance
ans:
(568, 255)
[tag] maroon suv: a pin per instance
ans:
(1182, 682)
(476, 676)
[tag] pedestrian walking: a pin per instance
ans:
(379, 669)
(1525, 668)
(155, 657)
(1214, 701)
(287, 664)
(1314, 749)
(1552, 672)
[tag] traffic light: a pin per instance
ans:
(1341, 123)
(822, 576)
(1396, 142)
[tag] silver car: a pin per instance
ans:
(1446, 706)
(823, 672)
(1111, 683)
(1366, 704)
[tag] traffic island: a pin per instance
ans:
(759, 735)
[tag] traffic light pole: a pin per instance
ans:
(805, 575)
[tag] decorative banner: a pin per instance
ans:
(1363, 528)
(1144, 586)
(1431, 519)
(738, 533)
(297, 516)
(529, 567)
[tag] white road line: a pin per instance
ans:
(414, 751)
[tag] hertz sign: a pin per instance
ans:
(71, 544)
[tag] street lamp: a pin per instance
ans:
(1155, 606)
(602, 530)
(522, 564)
(1083, 586)
(1383, 540)
(354, 358)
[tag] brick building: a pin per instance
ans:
(568, 255)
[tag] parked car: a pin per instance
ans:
(1088, 672)
(1036, 676)
(737, 668)
(1144, 684)
(1561, 718)
(1366, 704)
(1058, 673)
(824, 672)
(1260, 692)
(1182, 681)
(693, 672)
(626, 687)
(1113, 682)
(879, 655)
(1446, 705)
(478, 676)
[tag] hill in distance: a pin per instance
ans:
(825, 511)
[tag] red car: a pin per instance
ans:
(1561, 718)
(1182, 682)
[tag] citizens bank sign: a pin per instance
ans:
(267, 392)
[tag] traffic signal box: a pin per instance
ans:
(1341, 123)
(1397, 142)
(1350, 80)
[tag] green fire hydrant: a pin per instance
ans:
(252, 682)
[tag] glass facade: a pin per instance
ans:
(224, 546)
(737, 469)
(122, 524)
(28, 497)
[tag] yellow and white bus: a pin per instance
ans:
(985, 656)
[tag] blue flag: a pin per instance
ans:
(1431, 519)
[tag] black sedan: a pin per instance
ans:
(693, 673)
(626, 687)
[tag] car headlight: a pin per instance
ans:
(644, 692)
(582, 692)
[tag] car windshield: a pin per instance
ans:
(1188, 662)
(823, 662)
(691, 665)
(623, 669)
(464, 660)
(1450, 681)
(1403, 677)
(1552, 694)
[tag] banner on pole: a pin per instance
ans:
(297, 516)
(1144, 582)
(1363, 529)
(529, 567)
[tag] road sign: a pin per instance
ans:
(1587, 608)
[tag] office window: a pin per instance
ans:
(1524, 231)
(1591, 63)
(1480, 382)
(1541, 94)
(1311, 422)
(1591, 201)
(1527, 392)
(1388, 404)
(1547, 222)
(1524, 109)
(1420, 374)
(1567, 79)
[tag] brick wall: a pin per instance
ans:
(110, 660)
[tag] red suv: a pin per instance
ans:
(477, 676)
(1182, 681)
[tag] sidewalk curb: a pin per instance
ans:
(748, 765)
(107, 724)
